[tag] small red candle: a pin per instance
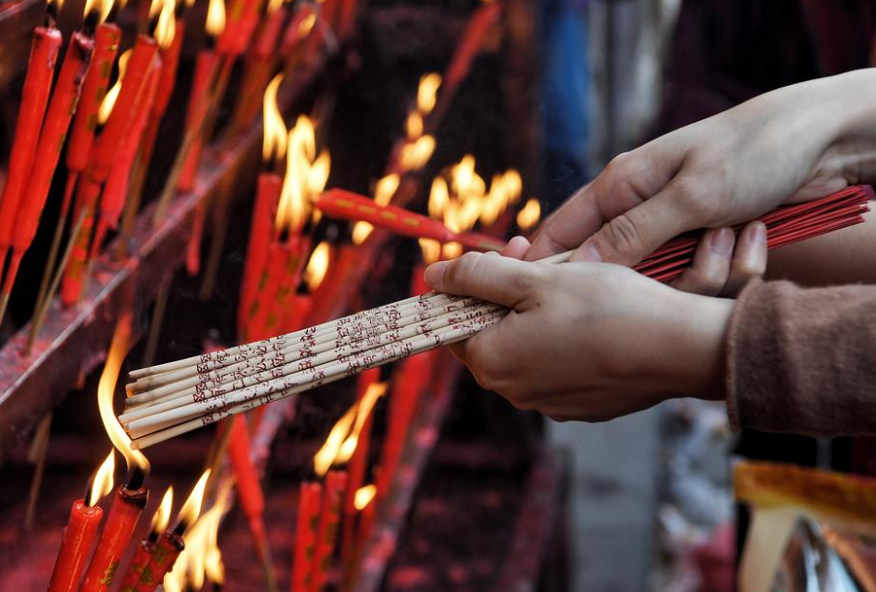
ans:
(124, 513)
(169, 547)
(34, 100)
(243, 17)
(264, 212)
(309, 504)
(138, 571)
(81, 531)
(326, 535)
(87, 195)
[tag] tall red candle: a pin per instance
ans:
(335, 484)
(34, 99)
(206, 64)
(242, 19)
(249, 488)
(48, 150)
(87, 195)
(123, 516)
(79, 536)
(264, 212)
(309, 504)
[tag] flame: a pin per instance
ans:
(427, 93)
(363, 496)
(439, 198)
(274, 5)
(105, 389)
(452, 250)
(56, 4)
(415, 155)
(102, 7)
(306, 25)
(305, 177)
(431, 250)
(363, 411)
(504, 190)
(215, 18)
(274, 145)
(513, 186)
(317, 267)
(102, 483)
(325, 456)
(109, 101)
(188, 514)
(161, 518)
(214, 567)
(165, 30)
(529, 215)
(361, 232)
(385, 189)
(414, 125)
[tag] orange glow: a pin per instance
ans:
(431, 250)
(415, 155)
(363, 496)
(306, 25)
(427, 92)
(103, 7)
(505, 190)
(528, 217)
(109, 100)
(305, 178)
(215, 18)
(106, 388)
(363, 410)
(56, 4)
(439, 198)
(214, 567)
(317, 267)
(274, 5)
(103, 480)
(165, 30)
(414, 125)
(452, 250)
(191, 509)
(361, 232)
(325, 456)
(161, 518)
(274, 144)
(384, 191)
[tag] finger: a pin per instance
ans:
(516, 247)
(749, 259)
(711, 265)
(501, 280)
(627, 181)
(638, 232)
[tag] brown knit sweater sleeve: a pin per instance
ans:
(803, 360)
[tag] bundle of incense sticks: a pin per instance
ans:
(174, 398)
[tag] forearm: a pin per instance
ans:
(847, 256)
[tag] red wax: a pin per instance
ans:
(106, 46)
(74, 275)
(115, 191)
(79, 535)
(261, 228)
(34, 99)
(326, 535)
(248, 486)
(123, 516)
(358, 462)
(309, 504)
(206, 63)
(120, 121)
(138, 565)
(242, 17)
(170, 545)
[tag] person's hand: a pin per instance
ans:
(586, 341)
(795, 144)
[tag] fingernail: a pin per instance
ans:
(721, 241)
(758, 234)
(435, 273)
(587, 254)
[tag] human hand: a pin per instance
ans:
(794, 144)
(586, 341)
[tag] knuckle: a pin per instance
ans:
(623, 233)
(463, 269)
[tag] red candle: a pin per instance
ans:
(138, 568)
(242, 19)
(86, 198)
(48, 150)
(266, 43)
(34, 99)
(298, 28)
(335, 483)
(123, 516)
(79, 536)
(283, 273)
(264, 212)
(297, 311)
(309, 503)
(206, 63)
(170, 545)
(248, 486)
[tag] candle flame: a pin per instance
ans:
(106, 388)
(56, 5)
(452, 250)
(305, 176)
(384, 191)
(439, 198)
(414, 125)
(215, 18)
(102, 483)
(109, 100)
(363, 496)
(504, 190)
(325, 456)
(191, 509)
(165, 30)
(363, 411)
(102, 7)
(214, 567)
(528, 217)
(161, 518)
(274, 145)
(307, 24)
(431, 250)
(317, 266)
(427, 92)
(415, 155)
(274, 5)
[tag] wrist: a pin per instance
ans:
(706, 322)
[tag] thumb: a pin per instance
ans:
(633, 235)
(502, 280)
